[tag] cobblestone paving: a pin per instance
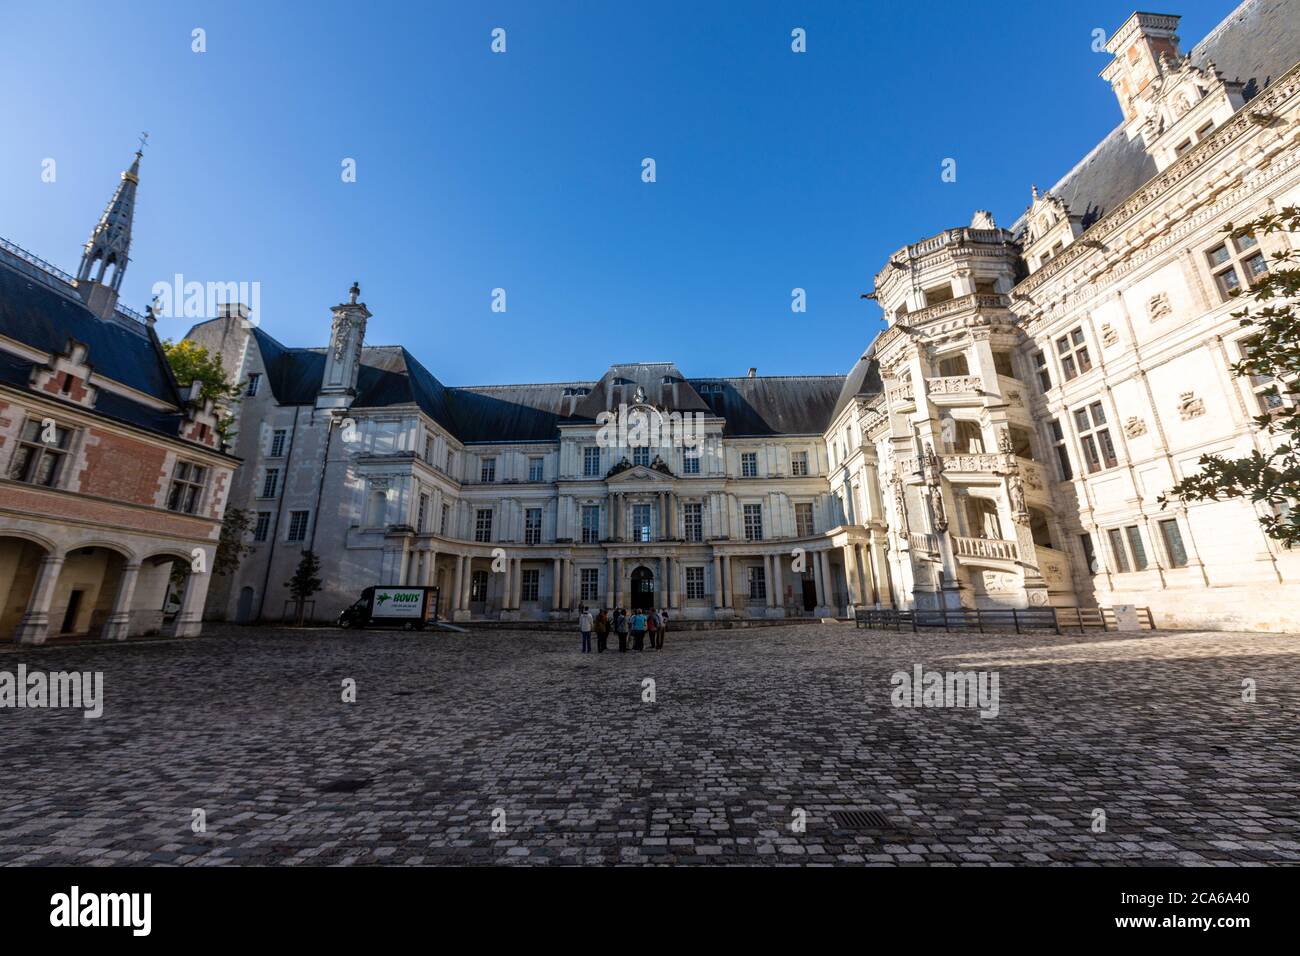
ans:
(746, 727)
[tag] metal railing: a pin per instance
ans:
(960, 619)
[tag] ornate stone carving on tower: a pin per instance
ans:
(104, 259)
(343, 358)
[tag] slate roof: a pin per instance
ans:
(390, 375)
(35, 313)
(1253, 45)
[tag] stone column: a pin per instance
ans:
(851, 574)
(769, 580)
(566, 575)
(517, 585)
(728, 598)
(189, 619)
(118, 625)
(717, 582)
(557, 591)
(828, 583)
(661, 582)
(880, 560)
(620, 571)
(611, 576)
(816, 558)
(778, 578)
(456, 587)
(431, 568)
(469, 582)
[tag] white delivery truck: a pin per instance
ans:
(410, 608)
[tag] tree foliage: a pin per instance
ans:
(194, 363)
(1269, 477)
(231, 546)
(305, 582)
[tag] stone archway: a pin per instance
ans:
(643, 589)
(86, 591)
(20, 565)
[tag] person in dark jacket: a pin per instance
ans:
(659, 631)
(602, 631)
(620, 628)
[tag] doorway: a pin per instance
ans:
(74, 608)
(809, 595)
(244, 612)
(643, 589)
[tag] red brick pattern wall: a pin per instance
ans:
(122, 468)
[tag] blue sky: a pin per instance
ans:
(522, 170)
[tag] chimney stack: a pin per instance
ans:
(752, 371)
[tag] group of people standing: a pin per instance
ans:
(636, 624)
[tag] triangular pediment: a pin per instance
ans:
(638, 474)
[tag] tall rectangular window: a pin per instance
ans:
(799, 464)
(529, 584)
(533, 526)
(693, 521)
(753, 522)
(691, 461)
(1072, 350)
(1136, 551)
(442, 524)
(487, 470)
(1062, 453)
(640, 522)
(1094, 436)
(591, 462)
(1173, 539)
(37, 461)
(694, 583)
(483, 524)
(254, 383)
(278, 439)
(590, 524)
(1270, 392)
(589, 584)
(757, 583)
(1041, 372)
(297, 526)
(262, 528)
(186, 491)
(270, 483)
(803, 519)
(422, 514)
(641, 455)
(1117, 550)
(534, 469)
(749, 464)
(1089, 553)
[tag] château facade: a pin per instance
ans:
(1003, 441)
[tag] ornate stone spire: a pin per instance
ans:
(103, 262)
(343, 359)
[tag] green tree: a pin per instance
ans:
(231, 546)
(1270, 477)
(194, 363)
(304, 583)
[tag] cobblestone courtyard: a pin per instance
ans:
(453, 731)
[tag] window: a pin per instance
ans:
(641, 455)
(38, 461)
(749, 464)
(799, 464)
(278, 439)
(590, 524)
(691, 461)
(478, 586)
(1137, 552)
(533, 526)
(803, 519)
(757, 583)
(534, 469)
(422, 512)
(1173, 539)
(1062, 453)
(428, 448)
(263, 526)
(693, 521)
(1117, 549)
(1073, 353)
(487, 470)
(1044, 376)
(442, 525)
(449, 461)
(254, 383)
(640, 522)
(483, 524)
(591, 462)
(1268, 389)
(528, 585)
(270, 483)
(952, 365)
(1002, 364)
(753, 522)
(589, 584)
(1098, 450)
(187, 487)
(297, 526)
(694, 583)
(1089, 553)
(1235, 262)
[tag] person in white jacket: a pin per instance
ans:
(584, 625)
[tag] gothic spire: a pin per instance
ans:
(104, 259)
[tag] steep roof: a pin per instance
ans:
(1253, 45)
(390, 375)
